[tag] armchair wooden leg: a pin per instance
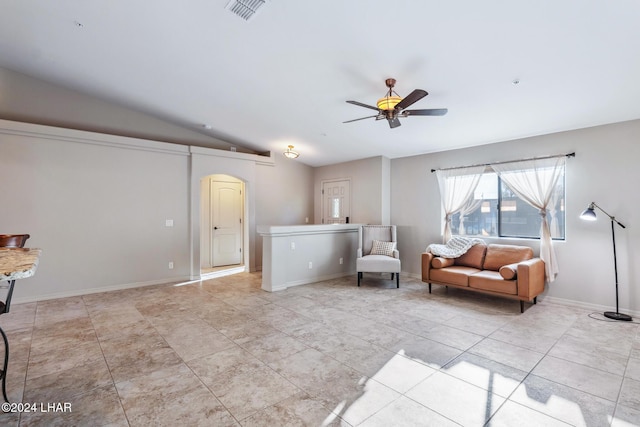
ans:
(397, 280)
(359, 277)
(429, 287)
(521, 306)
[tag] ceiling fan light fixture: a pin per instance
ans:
(290, 154)
(388, 102)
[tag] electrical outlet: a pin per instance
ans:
(168, 223)
(310, 265)
(293, 246)
(341, 261)
(171, 265)
(306, 220)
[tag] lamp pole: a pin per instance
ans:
(615, 269)
(610, 314)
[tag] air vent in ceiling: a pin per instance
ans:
(245, 9)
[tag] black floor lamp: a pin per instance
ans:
(590, 215)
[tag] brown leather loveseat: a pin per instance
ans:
(503, 270)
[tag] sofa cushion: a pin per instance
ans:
(474, 257)
(454, 275)
(487, 280)
(509, 272)
(439, 262)
(499, 255)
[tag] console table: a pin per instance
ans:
(15, 263)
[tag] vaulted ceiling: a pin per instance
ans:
(283, 76)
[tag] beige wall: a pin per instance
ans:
(284, 194)
(97, 208)
(370, 196)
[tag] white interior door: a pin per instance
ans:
(336, 196)
(226, 223)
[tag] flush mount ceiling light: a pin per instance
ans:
(290, 154)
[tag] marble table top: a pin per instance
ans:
(18, 263)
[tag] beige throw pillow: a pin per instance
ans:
(382, 248)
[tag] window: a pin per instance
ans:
(495, 211)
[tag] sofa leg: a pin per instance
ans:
(429, 287)
(521, 306)
(392, 275)
(359, 277)
(398, 280)
(535, 300)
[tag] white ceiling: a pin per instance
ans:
(284, 76)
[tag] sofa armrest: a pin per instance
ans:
(426, 265)
(359, 253)
(530, 278)
(396, 254)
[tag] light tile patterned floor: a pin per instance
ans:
(223, 352)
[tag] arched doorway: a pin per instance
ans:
(222, 206)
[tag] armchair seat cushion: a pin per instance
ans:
(378, 264)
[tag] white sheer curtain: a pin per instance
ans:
(469, 207)
(456, 188)
(534, 181)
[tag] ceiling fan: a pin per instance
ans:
(393, 106)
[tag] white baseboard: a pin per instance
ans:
(309, 280)
(80, 292)
(585, 305)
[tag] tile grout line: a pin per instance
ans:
(26, 371)
(530, 373)
(113, 382)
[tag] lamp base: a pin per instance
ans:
(617, 316)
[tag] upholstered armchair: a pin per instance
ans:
(377, 252)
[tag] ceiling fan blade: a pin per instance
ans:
(414, 96)
(361, 118)
(363, 105)
(394, 123)
(431, 112)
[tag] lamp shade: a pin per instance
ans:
(589, 214)
(388, 102)
(290, 154)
